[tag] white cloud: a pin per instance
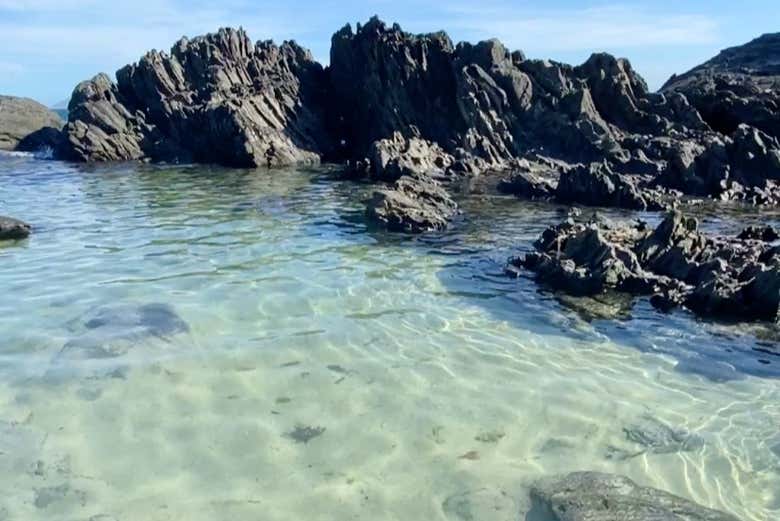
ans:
(579, 29)
(117, 33)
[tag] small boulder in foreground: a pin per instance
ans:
(413, 204)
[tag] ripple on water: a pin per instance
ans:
(295, 363)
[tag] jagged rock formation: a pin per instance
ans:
(27, 125)
(392, 103)
(13, 229)
(491, 103)
(216, 98)
(588, 496)
(412, 204)
(675, 264)
(420, 171)
(743, 166)
(741, 85)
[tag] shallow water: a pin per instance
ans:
(198, 343)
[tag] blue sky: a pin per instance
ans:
(50, 45)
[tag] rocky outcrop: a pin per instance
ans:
(413, 204)
(492, 103)
(13, 229)
(595, 184)
(102, 128)
(216, 98)
(384, 80)
(420, 172)
(587, 496)
(741, 85)
(393, 104)
(470, 99)
(598, 185)
(27, 122)
(390, 159)
(675, 264)
(744, 166)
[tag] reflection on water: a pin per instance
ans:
(198, 343)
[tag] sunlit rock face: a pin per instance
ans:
(217, 98)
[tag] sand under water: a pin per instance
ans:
(198, 343)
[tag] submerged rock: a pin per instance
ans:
(480, 504)
(590, 496)
(660, 438)
(649, 435)
(675, 263)
(27, 122)
(13, 229)
(112, 331)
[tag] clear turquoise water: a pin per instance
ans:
(306, 366)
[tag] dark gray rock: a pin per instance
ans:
(45, 141)
(744, 166)
(392, 158)
(590, 496)
(101, 127)
(759, 233)
(412, 204)
(393, 104)
(216, 98)
(675, 263)
(528, 184)
(385, 80)
(13, 229)
(534, 178)
(587, 260)
(422, 175)
(597, 185)
(20, 118)
(738, 86)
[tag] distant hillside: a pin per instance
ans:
(61, 105)
(759, 58)
(741, 85)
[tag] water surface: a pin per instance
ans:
(199, 343)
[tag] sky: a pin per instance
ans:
(48, 46)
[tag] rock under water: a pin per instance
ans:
(591, 496)
(112, 331)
